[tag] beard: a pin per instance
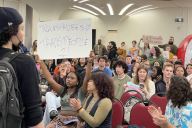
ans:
(170, 43)
(16, 48)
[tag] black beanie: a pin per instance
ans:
(8, 17)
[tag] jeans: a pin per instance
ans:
(53, 102)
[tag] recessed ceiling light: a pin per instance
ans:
(87, 10)
(125, 8)
(138, 9)
(142, 11)
(83, 1)
(110, 9)
(75, 0)
(96, 9)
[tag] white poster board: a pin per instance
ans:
(166, 54)
(157, 40)
(188, 53)
(64, 39)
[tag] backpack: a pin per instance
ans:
(129, 105)
(11, 105)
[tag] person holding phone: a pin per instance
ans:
(147, 86)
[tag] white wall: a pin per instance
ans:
(35, 23)
(98, 24)
(160, 22)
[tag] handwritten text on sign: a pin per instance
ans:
(158, 40)
(64, 39)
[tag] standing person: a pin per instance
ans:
(175, 58)
(178, 113)
(156, 56)
(146, 48)
(102, 67)
(51, 66)
(121, 50)
(134, 51)
(167, 74)
(141, 77)
(34, 52)
(80, 66)
(189, 69)
(128, 61)
(99, 48)
(168, 48)
(113, 50)
(11, 36)
(173, 46)
(121, 78)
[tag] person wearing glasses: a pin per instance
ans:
(147, 64)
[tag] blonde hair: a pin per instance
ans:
(145, 48)
(168, 65)
(136, 78)
(120, 57)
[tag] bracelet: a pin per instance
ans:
(79, 109)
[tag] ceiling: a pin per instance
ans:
(52, 9)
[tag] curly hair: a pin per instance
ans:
(7, 33)
(158, 52)
(121, 63)
(179, 92)
(104, 84)
(185, 72)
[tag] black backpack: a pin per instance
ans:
(11, 105)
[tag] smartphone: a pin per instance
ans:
(142, 85)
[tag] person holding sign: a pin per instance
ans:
(134, 51)
(156, 56)
(72, 89)
(146, 48)
(170, 55)
(141, 77)
(173, 46)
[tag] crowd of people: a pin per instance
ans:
(85, 88)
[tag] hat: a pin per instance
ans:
(8, 17)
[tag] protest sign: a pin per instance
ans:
(157, 40)
(64, 39)
(166, 54)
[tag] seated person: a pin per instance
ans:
(156, 73)
(51, 65)
(113, 61)
(181, 71)
(177, 64)
(84, 72)
(189, 69)
(80, 66)
(102, 66)
(160, 85)
(108, 63)
(73, 88)
(57, 68)
(178, 113)
(133, 70)
(141, 77)
(121, 78)
(97, 110)
(156, 63)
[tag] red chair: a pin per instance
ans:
(127, 95)
(140, 116)
(118, 114)
(159, 101)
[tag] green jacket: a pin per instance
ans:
(160, 59)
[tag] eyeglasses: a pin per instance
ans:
(62, 66)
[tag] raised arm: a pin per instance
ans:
(139, 44)
(88, 72)
(48, 76)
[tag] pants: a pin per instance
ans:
(53, 102)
